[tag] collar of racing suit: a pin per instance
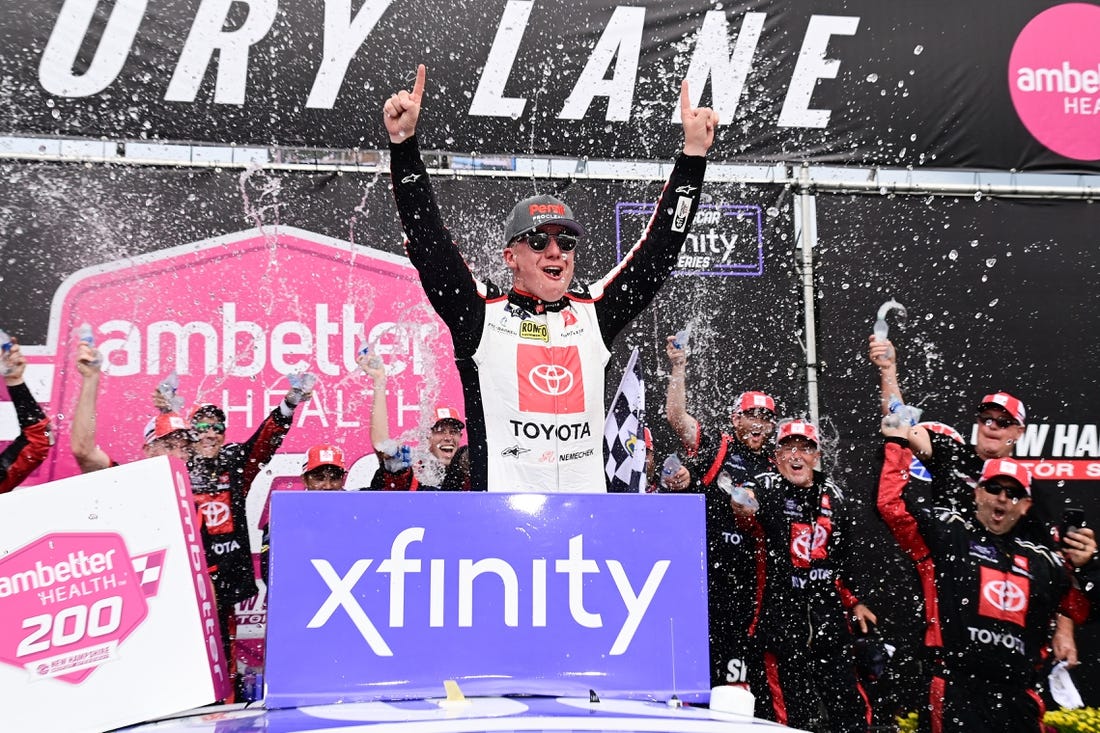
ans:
(534, 305)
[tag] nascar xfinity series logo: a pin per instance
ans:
(724, 239)
(68, 600)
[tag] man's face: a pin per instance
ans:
(209, 435)
(176, 445)
(754, 427)
(998, 432)
(999, 512)
(444, 440)
(796, 457)
(544, 274)
(325, 478)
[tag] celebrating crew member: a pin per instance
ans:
(803, 661)
(998, 592)
(443, 467)
(32, 445)
(532, 358)
(731, 570)
(221, 477)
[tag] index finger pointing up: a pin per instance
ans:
(418, 86)
(685, 99)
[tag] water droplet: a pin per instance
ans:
(93, 515)
(991, 262)
(872, 78)
(953, 255)
(918, 50)
(977, 195)
(772, 211)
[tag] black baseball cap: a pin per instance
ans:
(536, 211)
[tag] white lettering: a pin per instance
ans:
(621, 42)
(811, 66)
(206, 37)
(489, 99)
(55, 70)
(341, 42)
(711, 59)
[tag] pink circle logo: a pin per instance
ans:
(1054, 79)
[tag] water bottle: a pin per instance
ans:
(738, 493)
(169, 387)
(669, 468)
(901, 414)
(5, 352)
(680, 340)
(301, 385)
(85, 334)
(374, 361)
(881, 327)
(398, 460)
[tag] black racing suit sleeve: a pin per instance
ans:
(31, 446)
(635, 281)
(447, 280)
(261, 447)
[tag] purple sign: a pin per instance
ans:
(385, 595)
(724, 240)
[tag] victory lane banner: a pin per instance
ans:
(107, 615)
(945, 83)
(385, 595)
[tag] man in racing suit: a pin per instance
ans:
(803, 644)
(221, 477)
(732, 580)
(998, 592)
(532, 359)
(32, 445)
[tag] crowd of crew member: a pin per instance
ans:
(784, 616)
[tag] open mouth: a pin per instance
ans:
(998, 514)
(553, 272)
(448, 449)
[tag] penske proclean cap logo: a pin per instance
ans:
(1054, 79)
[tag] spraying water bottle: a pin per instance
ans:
(397, 458)
(169, 388)
(901, 414)
(5, 353)
(680, 340)
(882, 328)
(301, 386)
(86, 336)
(374, 361)
(738, 493)
(669, 468)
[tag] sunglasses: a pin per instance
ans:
(1001, 422)
(759, 413)
(201, 427)
(1013, 492)
(538, 241)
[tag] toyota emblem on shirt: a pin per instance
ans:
(551, 379)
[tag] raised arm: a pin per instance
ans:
(32, 446)
(379, 413)
(685, 426)
(884, 356)
(89, 456)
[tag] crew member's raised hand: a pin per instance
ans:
(88, 360)
(402, 110)
(676, 355)
(699, 124)
(881, 353)
(16, 364)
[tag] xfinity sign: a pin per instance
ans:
(383, 595)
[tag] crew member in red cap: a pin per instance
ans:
(443, 467)
(998, 592)
(323, 470)
(167, 434)
(803, 658)
(946, 455)
(532, 358)
(32, 445)
(741, 454)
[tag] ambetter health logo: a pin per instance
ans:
(1054, 79)
(68, 600)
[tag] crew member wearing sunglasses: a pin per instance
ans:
(531, 357)
(221, 477)
(997, 592)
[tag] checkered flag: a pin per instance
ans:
(147, 568)
(623, 433)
